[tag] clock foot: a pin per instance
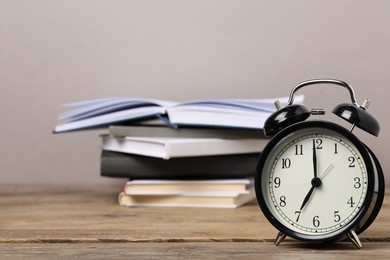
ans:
(354, 238)
(279, 238)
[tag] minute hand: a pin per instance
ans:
(314, 159)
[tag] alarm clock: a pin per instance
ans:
(315, 180)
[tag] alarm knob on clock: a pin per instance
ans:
(315, 180)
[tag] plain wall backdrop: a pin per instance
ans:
(55, 52)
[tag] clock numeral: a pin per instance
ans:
(351, 161)
(318, 142)
(298, 149)
(357, 183)
(298, 213)
(277, 182)
(286, 163)
(335, 149)
(337, 217)
(351, 202)
(316, 221)
(282, 202)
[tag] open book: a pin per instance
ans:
(234, 113)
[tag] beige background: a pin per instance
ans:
(54, 52)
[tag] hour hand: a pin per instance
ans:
(307, 197)
(315, 183)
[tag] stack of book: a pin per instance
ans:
(191, 154)
(182, 167)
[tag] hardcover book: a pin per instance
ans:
(124, 165)
(208, 200)
(182, 187)
(183, 132)
(170, 147)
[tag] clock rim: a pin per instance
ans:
(364, 151)
(377, 204)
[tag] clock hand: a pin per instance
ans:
(330, 167)
(307, 197)
(315, 180)
(315, 183)
(314, 159)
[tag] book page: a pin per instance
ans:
(99, 107)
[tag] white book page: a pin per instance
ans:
(98, 107)
(110, 118)
(265, 105)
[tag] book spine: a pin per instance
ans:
(122, 165)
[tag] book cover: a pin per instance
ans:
(123, 165)
(187, 187)
(183, 132)
(228, 113)
(207, 200)
(170, 147)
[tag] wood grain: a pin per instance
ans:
(199, 250)
(89, 219)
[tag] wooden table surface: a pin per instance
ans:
(87, 222)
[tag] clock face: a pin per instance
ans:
(314, 182)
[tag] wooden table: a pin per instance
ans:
(87, 222)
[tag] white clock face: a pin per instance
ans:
(314, 181)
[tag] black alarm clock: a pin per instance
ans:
(315, 180)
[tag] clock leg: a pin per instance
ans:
(354, 238)
(279, 238)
